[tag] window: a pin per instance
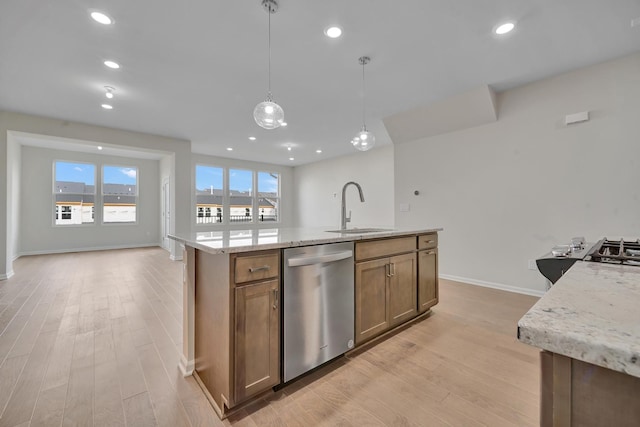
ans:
(240, 195)
(233, 194)
(268, 196)
(209, 193)
(74, 192)
(119, 194)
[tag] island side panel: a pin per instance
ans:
(188, 310)
(213, 300)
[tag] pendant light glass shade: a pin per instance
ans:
(364, 140)
(268, 114)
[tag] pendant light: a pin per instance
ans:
(268, 114)
(364, 140)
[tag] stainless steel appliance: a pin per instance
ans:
(318, 305)
(555, 263)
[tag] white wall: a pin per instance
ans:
(287, 196)
(507, 192)
(39, 235)
(318, 190)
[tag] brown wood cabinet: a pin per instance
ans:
(385, 288)
(237, 325)
(257, 338)
(427, 279)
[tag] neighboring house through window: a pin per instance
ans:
(74, 193)
(119, 194)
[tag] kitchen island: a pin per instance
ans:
(232, 293)
(588, 326)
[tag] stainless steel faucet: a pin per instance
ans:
(344, 219)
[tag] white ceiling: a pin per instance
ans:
(196, 69)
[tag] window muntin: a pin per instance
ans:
(119, 194)
(209, 194)
(74, 192)
(268, 196)
(240, 195)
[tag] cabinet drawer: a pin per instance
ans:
(385, 247)
(428, 241)
(257, 267)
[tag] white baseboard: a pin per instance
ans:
(186, 366)
(175, 258)
(492, 285)
(93, 248)
(7, 275)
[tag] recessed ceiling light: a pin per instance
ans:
(333, 32)
(318, 151)
(229, 149)
(291, 158)
(109, 91)
(101, 18)
(289, 148)
(99, 147)
(107, 106)
(252, 138)
(505, 28)
(283, 124)
(112, 64)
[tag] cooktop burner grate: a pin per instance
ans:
(616, 252)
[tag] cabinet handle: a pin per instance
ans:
(275, 299)
(392, 268)
(254, 269)
(429, 241)
(388, 269)
(430, 252)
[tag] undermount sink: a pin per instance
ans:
(359, 230)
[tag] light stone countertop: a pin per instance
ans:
(591, 314)
(218, 242)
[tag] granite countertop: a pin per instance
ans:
(229, 241)
(590, 314)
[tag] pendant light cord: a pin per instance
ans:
(364, 127)
(269, 13)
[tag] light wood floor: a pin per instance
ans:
(93, 339)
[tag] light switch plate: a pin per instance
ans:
(404, 207)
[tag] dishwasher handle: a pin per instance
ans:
(319, 259)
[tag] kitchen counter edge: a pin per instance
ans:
(590, 314)
(291, 238)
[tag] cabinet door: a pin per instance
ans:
(372, 312)
(257, 339)
(427, 279)
(402, 289)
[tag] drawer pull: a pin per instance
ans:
(262, 268)
(429, 241)
(430, 252)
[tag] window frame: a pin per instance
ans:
(225, 209)
(102, 194)
(56, 212)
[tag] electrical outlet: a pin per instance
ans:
(532, 264)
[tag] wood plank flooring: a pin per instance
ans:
(94, 338)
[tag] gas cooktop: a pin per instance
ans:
(615, 252)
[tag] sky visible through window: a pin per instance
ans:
(239, 180)
(76, 172)
(119, 175)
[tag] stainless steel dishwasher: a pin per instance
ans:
(318, 305)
